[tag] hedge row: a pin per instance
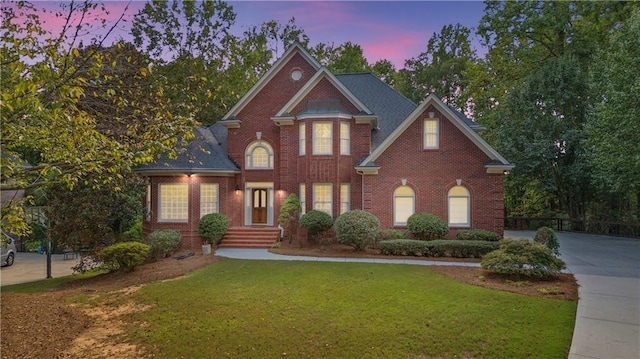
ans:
(477, 235)
(437, 248)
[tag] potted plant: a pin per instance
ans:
(211, 228)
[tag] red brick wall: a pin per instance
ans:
(229, 202)
(431, 173)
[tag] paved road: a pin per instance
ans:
(608, 273)
(29, 267)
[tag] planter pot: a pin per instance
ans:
(206, 249)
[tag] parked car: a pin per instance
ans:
(8, 245)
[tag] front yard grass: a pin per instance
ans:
(276, 309)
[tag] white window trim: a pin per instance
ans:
(316, 202)
(302, 143)
(249, 155)
(147, 216)
(467, 224)
(345, 139)
(161, 217)
(315, 150)
(413, 204)
(216, 203)
(425, 134)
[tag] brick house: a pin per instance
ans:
(340, 142)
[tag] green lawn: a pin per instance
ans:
(276, 309)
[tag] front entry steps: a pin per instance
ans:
(249, 237)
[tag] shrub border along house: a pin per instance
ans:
(437, 248)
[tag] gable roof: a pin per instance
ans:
(204, 155)
(264, 80)
(496, 159)
(322, 73)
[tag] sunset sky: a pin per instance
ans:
(392, 30)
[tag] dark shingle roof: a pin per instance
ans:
(388, 104)
(203, 154)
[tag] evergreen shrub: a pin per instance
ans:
(547, 236)
(212, 227)
(357, 228)
(523, 257)
(477, 235)
(163, 243)
(427, 226)
(124, 256)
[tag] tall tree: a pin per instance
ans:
(440, 69)
(48, 137)
(348, 58)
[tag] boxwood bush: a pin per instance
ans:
(163, 243)
(212, 227)
(477, 235)
(427, 226)
(437, 248)
(387, 234)
(523, 257)
(124, 256)
(357, 228)
(547, 236)
(316, 222)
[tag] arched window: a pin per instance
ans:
(404, 200)
(459, 207)
(259, 155)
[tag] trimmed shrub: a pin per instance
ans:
(437, 248)
(547, 236)
(124, 256)
(523, 257)
(388, 234)
(212, 227)
(477, 235)
(357, 229)
(163, 243)
(289, 214)
(316, 222)
(427, 227)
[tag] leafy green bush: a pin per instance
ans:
(134, 233)
(212, 227)
(427, 227)
(357, 229)
(316, 222)
(387, 234)
(162, 243)
(124, 256)
(477, 235)
(289, 214)
(523, 257)
(437, 248)
(547, 236)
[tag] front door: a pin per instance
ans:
(259, 206)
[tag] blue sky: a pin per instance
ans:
(392, 30)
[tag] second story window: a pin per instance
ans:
(345, 138)
(431, 134)
(259, 155)
(322, 138)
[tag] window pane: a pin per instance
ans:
(260, 158)
(345, 198)
(345, 140)
(431, 133)
(458, 210)
(322, 138)
(322, 200)
(208, 198)
(403, 209)
(259, 155)
(174, 202)
(302, 135)
(302, 197)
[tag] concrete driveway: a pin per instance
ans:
(29, 267)
(608, 272)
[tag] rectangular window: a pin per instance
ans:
(208, 198)
(174, 202)
(345, 198)
(147, 215)
(322, 138)
(322, 197)
(345, 138)
(302, 197)
(431, 133)
(302, 133)
(459, 211)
